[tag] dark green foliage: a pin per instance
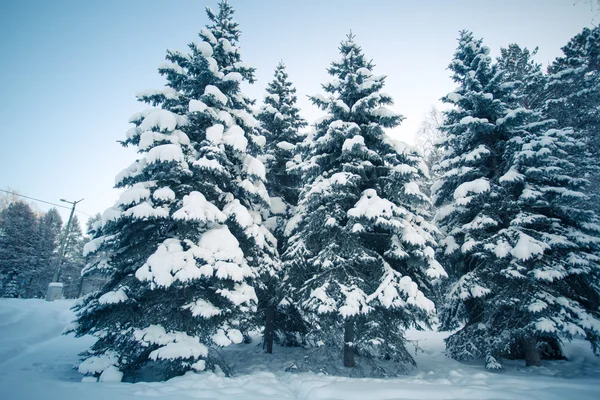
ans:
(18, 240)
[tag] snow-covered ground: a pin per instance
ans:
(36, 362)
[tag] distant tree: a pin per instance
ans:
(73, 259)
(362, 220)
(18, 236)
(524, 76)
(574, 91)
(49, 231)
(428, 135)
(281, 123)
(7, 198)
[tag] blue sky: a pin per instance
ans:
(70, 69)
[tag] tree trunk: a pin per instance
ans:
(79, 287)
(349, 344)
(532, 354)
(269, 328)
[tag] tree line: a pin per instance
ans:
(29, 246)
(340, 238)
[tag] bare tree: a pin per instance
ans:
(429, 134)
(8, 196)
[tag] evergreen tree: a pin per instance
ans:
(574, 101)
(518, 245)
(48, 236)
(362, 222)
(17, 247)
(524, 76)
(73, 259)
(185, 242)
(281, 123)
(93, 276)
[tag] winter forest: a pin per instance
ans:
(245, 234)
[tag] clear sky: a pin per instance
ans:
(69, 69)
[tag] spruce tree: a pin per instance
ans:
(517, 245)
(281, 123)
(49, 228)
(18, 236)
(574, 101)
(185, 241)
(525, 77)
(73, 261)
(362, 221)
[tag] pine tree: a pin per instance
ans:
(362, 222)
(281, 123)
(574, 101)
(517, 248)
(17, 248)
(73, 261)
(48, 235)
(524, 76)
(185, 242)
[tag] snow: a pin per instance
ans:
(254, 167)
(164, 120)
(145, 211)
(234, 137)
(168, 92)
(214, 91)
(371, 206)
(197, 208)
(205, 32)
(165, 153)
(222, 244)
(233, 76)
(278, 206)
(384, 112)
(512, 175)
(204, 48)
(164, 194)
(527, 247)
(202, 308)
(113, 297)
(37, 363)
(111, 374)
(471, 120)
(134, 195)
(197, 106)
(215, 133)
(477, 186)
(350, 143)
(97, 364)
(285, 146)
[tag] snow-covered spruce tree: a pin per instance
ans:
(363, 221)
(17, 248)
(184, 243)
(516, 249)
(281, 123)
(574, 101)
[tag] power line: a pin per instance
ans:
(44, 201)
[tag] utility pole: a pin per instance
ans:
(55, 288)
